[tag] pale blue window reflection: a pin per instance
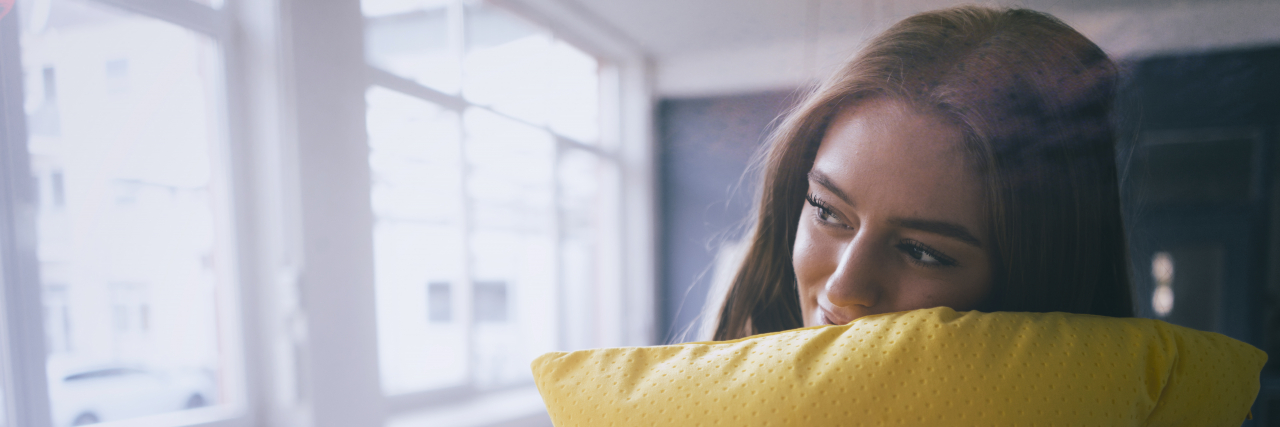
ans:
(133, 225)
(589, 256)
(415, 160)
(510, 186)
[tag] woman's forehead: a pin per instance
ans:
(884, 133)
(886, 153)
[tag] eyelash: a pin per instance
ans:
(911, 248)
(914, 250)
(823, 212)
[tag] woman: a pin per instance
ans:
(964, 158)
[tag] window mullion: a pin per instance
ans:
(380, 77)
(567, 143)
(638, 183)
(23, 359)
(457, 44)
(467, 281)
(338, 360)
(187, 14)
(557, 229)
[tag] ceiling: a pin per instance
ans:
(668, 27)
(724, 36)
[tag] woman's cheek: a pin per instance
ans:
(802, 254)
(810, 263)
(961, 293)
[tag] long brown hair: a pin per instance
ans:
(1033, 97)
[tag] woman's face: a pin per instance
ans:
(895, 218)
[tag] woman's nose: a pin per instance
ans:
(857, 280)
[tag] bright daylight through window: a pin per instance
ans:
(125, 140)
(494, 193)
(184, 234)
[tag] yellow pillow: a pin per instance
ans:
(922, 367)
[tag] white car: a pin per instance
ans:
(111, 393)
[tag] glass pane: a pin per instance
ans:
(519, 69)
(512, 245)
(413, 39)
(134, 241)
(589, 255)
(415, 159)
(574, 105)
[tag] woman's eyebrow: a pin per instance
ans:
(825, 181)
(943, 228)
(955, 231)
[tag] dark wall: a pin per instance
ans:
(705, 146)
(1199, 135)
(1198, 156)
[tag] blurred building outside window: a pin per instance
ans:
(496, 195)
(125, 138)
(167, 281)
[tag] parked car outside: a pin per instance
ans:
(118, 392)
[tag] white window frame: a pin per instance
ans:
(300, 176)
(22, 364)
(22, 361)
(609, 148)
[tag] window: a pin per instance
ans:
(498, 219)
(126, 147)
(57, 319)
(217, 219)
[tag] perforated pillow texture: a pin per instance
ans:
(922, 367)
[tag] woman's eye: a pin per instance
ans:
(925, 256)
(823, 213)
